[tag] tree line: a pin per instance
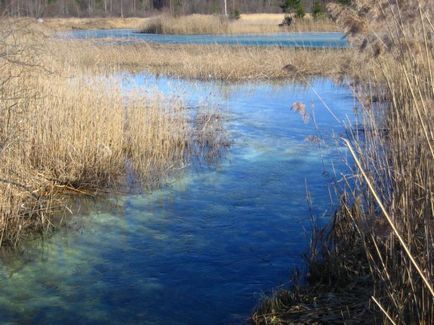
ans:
(139, 8)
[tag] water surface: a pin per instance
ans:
(202, 249)
(305, 39)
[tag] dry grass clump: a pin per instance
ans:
(322, 24)
(209, 61)
(383, 231)
(211, 137)
(64, 131)
(86, 143)
(247, 24)
(193, 24)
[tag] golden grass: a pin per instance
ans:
(375, 263)
(194, 24)
(247, 24)
(208, 61)
(66, 131)
(78, 136)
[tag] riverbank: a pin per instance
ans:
(374, 264)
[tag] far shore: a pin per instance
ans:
(192, 24)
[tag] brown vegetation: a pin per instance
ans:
(208, 61)
(247, 24)
(195, 24)
(375, 263)
(64, 131)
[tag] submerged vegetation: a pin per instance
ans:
(374, 264)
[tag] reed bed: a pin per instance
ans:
(247, 24)
(375, 264)
(67, 132)
(194, 24)
(233, 63)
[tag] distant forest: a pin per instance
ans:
(138, 8)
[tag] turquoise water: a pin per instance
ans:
(202, 249)
(306, 39)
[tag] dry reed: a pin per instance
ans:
(194, 24)
(204, 62)
(380, 243)
(64, 131)
(247, 24)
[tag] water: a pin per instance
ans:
(307, 39)
(202, 249)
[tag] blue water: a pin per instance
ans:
(202, 249)
(307, 39)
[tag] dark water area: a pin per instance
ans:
(302, 39)
(205, 247)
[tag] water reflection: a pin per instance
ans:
(203, 248)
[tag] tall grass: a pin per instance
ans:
(378, 254)
(247, 24)
(206, 62)
(396, 164)
(194, 24)
(64, 131)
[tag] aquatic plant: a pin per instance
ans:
(300, 108)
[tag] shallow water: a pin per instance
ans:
(306, 39)
(202, 249)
